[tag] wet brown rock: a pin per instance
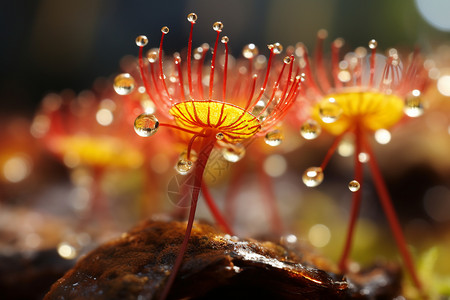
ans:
(215, 266)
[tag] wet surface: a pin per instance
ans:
(216, 266)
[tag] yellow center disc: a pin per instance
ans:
(96, 151)
(371, 110)
(235, 123)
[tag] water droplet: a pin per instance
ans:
(249, 51)
(146, 125)
(414, 105)
(233, 153)
(218, 26)
(310, 130)
(363, 157)
(288, 240)
(344, 76)
(329, 110)
(259, 107)
(104, 117)
(141, 41)
(346, 148)
(184, 166)
(219, 136)
(287, 60)
(382, 136)
(313, 176)
(165, 30)
(124, 84)
(192, 17)
(152, 55)
(277, 48)
(354, 186)
(67, 251)
(274, 138)
(373, 44)
(177, 58)
(225, 40)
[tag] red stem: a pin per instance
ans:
(356, 203)
(215, 210)
(331, 150)
(206, 148)
(389, 211)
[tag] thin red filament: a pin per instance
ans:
(225, 72)
(266, 78)
(189, 57)
(356, 202)
(252, 92)
(320, 67)
(372, 65)
(213, 66)
(161, 73)
(180, 77)
(215, 210)
(335, 47)
(330, 151)
(389, 211)
(143, 75)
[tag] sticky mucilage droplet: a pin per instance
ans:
(310, 130)
(124, 84)
(274, 138)
(146, 125)
(313, 176)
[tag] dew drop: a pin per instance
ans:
(382, 136)
(354, 186)
(124, 84)
(152, 55)
(287, 60)
(184, 166)
(288, 240)
(165, 30)
(220, 136)
(67, 251)
(233, 153)
(249, 51)
(414, 105)
(277, 48)
(141, 41)
(192, 17)
(259, 107)
(344, 76)
(218, 26)
(363, 157)
(274, 138)
(146, 125)
(329, 110)
(313, 176)
(310, 130)
(373, 44)
(224, 40)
